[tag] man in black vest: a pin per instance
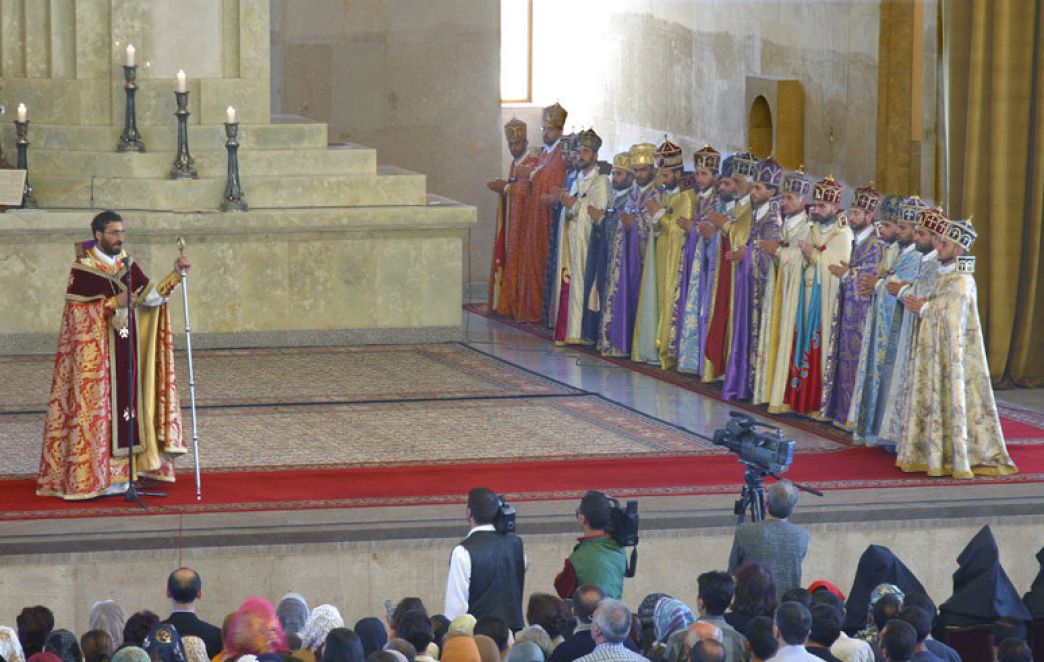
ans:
(184, 587)
(487, 569)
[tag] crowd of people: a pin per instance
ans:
(757, 611)
(742, 273)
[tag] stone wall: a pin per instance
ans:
(418, 80)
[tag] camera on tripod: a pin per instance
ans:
(623, 527)
(758, 445)
(504, 520)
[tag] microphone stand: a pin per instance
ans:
(132, 494)
(191, 374)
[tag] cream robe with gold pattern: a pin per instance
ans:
(589, 188)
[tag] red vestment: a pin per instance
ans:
(509, 242)
(548, 176)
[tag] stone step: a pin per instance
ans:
(335, 160)
(389, 186)
(300, 135)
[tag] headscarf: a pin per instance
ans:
(131, 654)
(195, 649)
(669, 616)
(10, 647)
(292, 611)
(826, 586)
(254, 629)
(878, 565)
(460, 649)
(982, 592)
(527, 651)
(487, 648)
(1034, 598)
(372, 633)
(44, 657)
(107, 615)
(464, 624)
(163, 644)
(869, 633)
(322, 619)
(343, 645)
(64, 644)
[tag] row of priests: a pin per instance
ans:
(741, 273)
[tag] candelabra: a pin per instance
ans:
(233, 200)
(22, 143)
(130, 139)
(183, 162)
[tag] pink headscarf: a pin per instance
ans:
(254, 629)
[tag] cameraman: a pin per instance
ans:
(597, 559)
(774, 541)
(487, 569)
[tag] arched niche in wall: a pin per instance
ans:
(776, 119)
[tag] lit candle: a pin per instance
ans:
(130, 55)
(181, 81)
(231, 112)
(23, 113)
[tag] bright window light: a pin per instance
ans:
(515, 50)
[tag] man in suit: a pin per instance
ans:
(184, 587)
(774, 541)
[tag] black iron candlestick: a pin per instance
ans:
(183, 163)
(130, 139)
(22, 143)
(234, 200)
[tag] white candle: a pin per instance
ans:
(130, 55)
(23, 113)
(181, 81)
(231, 112)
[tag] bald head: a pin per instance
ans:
(184, 586)
(701, 631)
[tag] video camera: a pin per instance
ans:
(758, 445)
(623, 527)
(504, 520)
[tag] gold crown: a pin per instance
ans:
(669, 154)
(961, 232)
(555, 116)
(515, 130)
(933, 220)
(827, 190)
(643, 154)
(622, 161)
(707, 157)
(589, 139)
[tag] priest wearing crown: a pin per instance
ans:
(589, 192)
(513, 194)
(545, 179)
(950, 425)
(556, 236)
(604, 224)
(849, 319)
(616, 334)
(828, 245)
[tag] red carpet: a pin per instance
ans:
(413, 485)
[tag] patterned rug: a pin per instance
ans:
(310, 375)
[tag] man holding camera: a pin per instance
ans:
(487, 569)
(775, 541)
(597, 559)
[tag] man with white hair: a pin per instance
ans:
(610, 627)
(775, 541)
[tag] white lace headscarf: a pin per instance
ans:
(322, 619)
(108, 616)
(10, 647)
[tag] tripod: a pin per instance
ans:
(752, 496)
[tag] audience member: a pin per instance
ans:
(96, 646)
(982, 592)
(549, 612)
(1013, 649)
(415, 627)
(439, 626)
(922, 625)
(107, 615)
(402, 647)
(195, 649)
(460, 649)
(343, 645)
(597, 558)
(826, 626)
(898, 641)
(488, 649)
(822, 585)
(877, 566)
(774, 541)
(536, 635)
(670, 616)
(644, 616)
(403, 606)
(184, 587)
(495, 629)
(385, 656)
(463, 624)
(581, 643)
(761, 633)
(487, 569)
(714, 595)
(138, 627)
(755, 596)
(526, 651)
(63, 644)
(321, 620)
(292, 612)
(254, 630)
(793, 623)
(34, 624)
(799, 595)
(708, 650)
(844, 648)
(44, 656)
(372, 634)
(10, 647)
(938, 648)
(680, 645)
(163, 644)
(131, 654)
(610, 627)
(885, 603)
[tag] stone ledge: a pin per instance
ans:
(296, 135)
